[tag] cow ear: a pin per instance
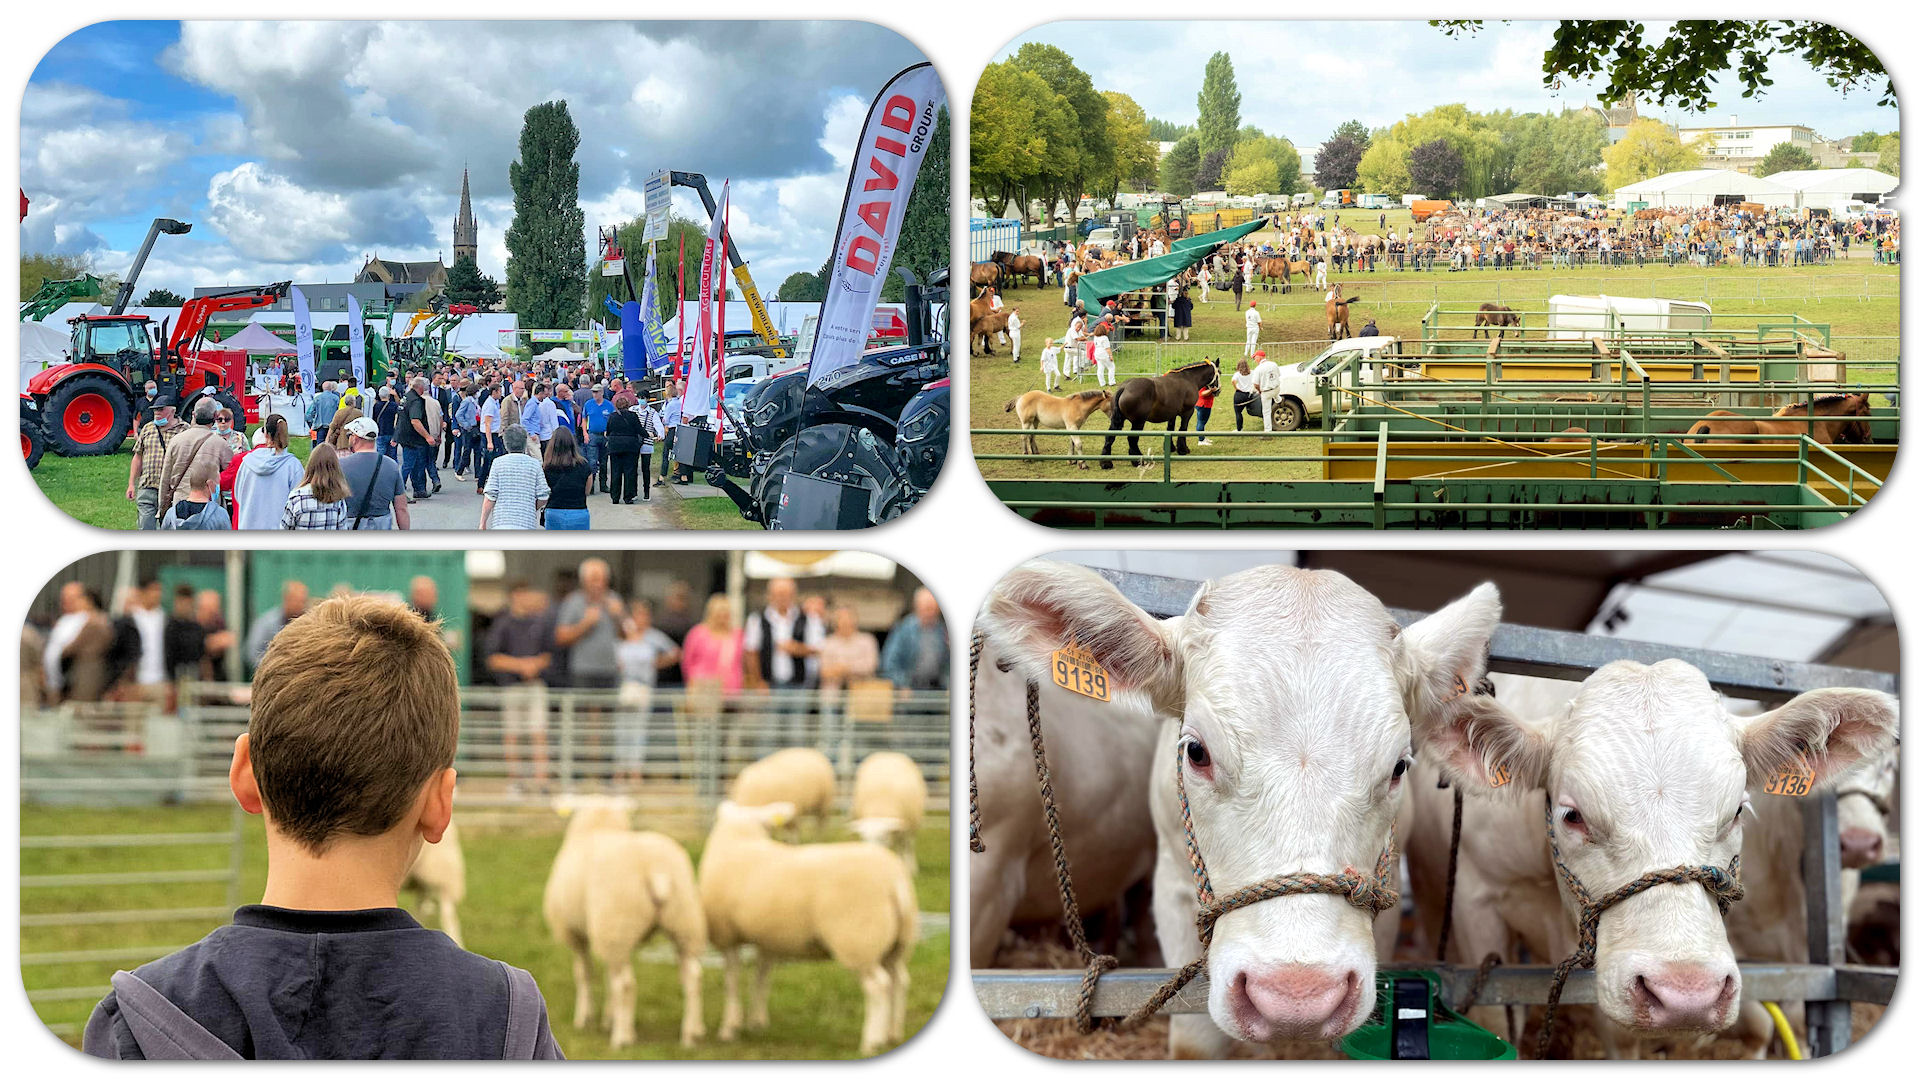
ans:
(1829, 731)
(1476, 741)
(1043, 606)
(1443, 657)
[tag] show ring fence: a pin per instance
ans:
(1826, 983)
(685, 747)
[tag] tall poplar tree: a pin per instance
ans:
(546, 244)
(1219, 122)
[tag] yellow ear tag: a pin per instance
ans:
(1459, 688)
(1501, 776)
(1795, 778)
(1075, 669)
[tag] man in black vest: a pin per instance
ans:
(780, 642)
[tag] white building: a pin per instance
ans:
(1737, 140)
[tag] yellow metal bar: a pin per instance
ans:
(762, 324)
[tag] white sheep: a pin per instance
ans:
(610, 889)
(798, 775)
(889, 799)
(439, 872)
(849, 902)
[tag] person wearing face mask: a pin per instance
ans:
(223, 427)
(145, 405)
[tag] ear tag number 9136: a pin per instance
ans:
(1795, 778)
(1075, 669)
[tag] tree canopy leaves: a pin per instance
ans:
(1649, 148)
(1682, 69)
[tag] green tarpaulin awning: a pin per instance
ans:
(1146, 273)
(1222, 236)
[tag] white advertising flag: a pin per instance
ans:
(659, 195)
(303, 338)
(893, 143)
(356, 339)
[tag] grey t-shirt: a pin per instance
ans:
(594, 653)
(359, 469)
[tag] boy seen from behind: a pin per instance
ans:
(351, 780)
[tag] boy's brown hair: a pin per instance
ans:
(355, 707)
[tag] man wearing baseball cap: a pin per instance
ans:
(378, 498)
(149, 458)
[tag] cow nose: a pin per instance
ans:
(1859, 848)
(1297, 1001)
(1686, 997)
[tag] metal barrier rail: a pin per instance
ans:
(1812, 463)
(207, 915)
(1826, 984)
(1037, 994)
(677, 755)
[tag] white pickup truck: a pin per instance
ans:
(1289, 393)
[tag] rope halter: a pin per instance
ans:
(1372, 894)
(1723, 885)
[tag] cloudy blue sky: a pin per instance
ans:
(1302, 79)
(296, 149)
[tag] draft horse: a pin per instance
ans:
(1161, 399)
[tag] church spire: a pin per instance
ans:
(466, 233)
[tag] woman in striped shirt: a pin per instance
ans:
(320, 502)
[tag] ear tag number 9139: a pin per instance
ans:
(1075, 669)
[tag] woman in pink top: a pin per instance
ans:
(712, 650)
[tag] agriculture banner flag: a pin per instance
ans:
(893, 143)
(698, 400)
(357, 339)
(652, 334)
(303, 338)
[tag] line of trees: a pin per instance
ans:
(1452, 152)
(1041, 132)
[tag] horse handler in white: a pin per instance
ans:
(1050, 366)
(1013, 332)
(1266, 383)
(1103, 372)
(1253, 330)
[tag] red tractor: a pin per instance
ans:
(86, 407)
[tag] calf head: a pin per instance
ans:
(1647, 770)
(1865, 801)
(1293, 690)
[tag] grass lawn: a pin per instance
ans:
(1855, 297)
(816, 1006)
(94, 489)
(711, 512)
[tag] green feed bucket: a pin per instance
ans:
(1420, 1020)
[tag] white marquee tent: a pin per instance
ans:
(1703, 187)
(1826, 189)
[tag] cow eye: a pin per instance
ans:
(1400, 768)
(1197, 755)
(1572, 818)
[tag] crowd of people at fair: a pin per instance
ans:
(793, 657)
(535, 439)
(1535, 239)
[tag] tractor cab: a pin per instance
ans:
(121, 342)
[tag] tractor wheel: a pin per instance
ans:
(1288, 415)
(33, 442)
(222, 397)
(87, 415)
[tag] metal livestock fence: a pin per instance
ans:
(674, 751)
(988, 235)
(147, 900)
(1826, 983)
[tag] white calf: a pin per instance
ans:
(1644, 769)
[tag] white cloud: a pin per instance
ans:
(266, 216)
